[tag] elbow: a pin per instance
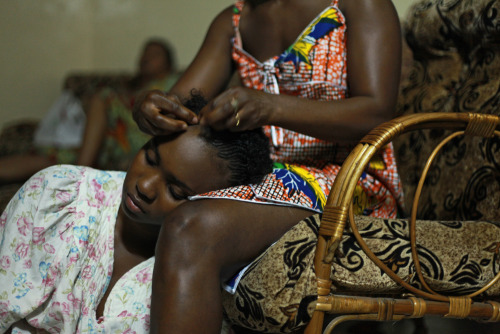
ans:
(384, 109)
(377, 112)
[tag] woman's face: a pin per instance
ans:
(166, 171)
(153, 61)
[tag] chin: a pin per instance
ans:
(139, 218)
(129, 214)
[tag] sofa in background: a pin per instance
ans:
(455, 68)
(17, 136)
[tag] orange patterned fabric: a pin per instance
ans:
(314, 67)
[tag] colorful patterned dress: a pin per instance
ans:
(56, 257)
(314, 67)
(123, 138)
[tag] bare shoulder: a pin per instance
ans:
(370, 16)
(222, 23)
(353, 8)
(231, 232)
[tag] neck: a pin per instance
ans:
(157, 76)
(142, 80)
(137, 238)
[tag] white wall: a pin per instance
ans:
(402, 6)
(43, 40)
(40, 41)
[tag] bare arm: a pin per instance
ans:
(203, 243)
(211, 69)
(160, 113)
(373, 63)
(373, 55)
(95, 131)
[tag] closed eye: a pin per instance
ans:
(175, 195)
(150, 159)
(151, 153)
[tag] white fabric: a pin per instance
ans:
(64, 124)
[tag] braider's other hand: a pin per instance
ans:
(237, 109)
(158, 113)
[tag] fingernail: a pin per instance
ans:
(194, 120)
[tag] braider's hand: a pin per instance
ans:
(159, 113)
(237, 109)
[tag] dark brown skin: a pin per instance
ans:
(204, 242)
(158, 181)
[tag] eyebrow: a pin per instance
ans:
(170, 178)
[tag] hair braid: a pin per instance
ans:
(246, 153)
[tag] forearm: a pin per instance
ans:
(95, 131)
(179, 297)
(341, 120)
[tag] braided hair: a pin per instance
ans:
(246, 153)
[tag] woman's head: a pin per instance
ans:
(246, 153)
(157, 59)
(169, 169)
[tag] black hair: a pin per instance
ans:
(246, 152)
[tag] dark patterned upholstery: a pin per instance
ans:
(456, 68)
(84, 85)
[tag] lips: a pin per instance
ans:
(133, 204)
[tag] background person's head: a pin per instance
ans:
(169, 169)
(157, 60)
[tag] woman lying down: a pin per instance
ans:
(77, 244)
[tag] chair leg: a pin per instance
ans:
(315, 326)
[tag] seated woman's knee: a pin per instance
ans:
(190, 230)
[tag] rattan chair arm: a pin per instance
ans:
(340, 200)
(342, 191)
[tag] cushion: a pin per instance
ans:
(277, 293)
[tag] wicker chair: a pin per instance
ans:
(415, 302)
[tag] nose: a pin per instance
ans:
(147, 187)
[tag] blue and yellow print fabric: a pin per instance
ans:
(320, 27)
(297, 179)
